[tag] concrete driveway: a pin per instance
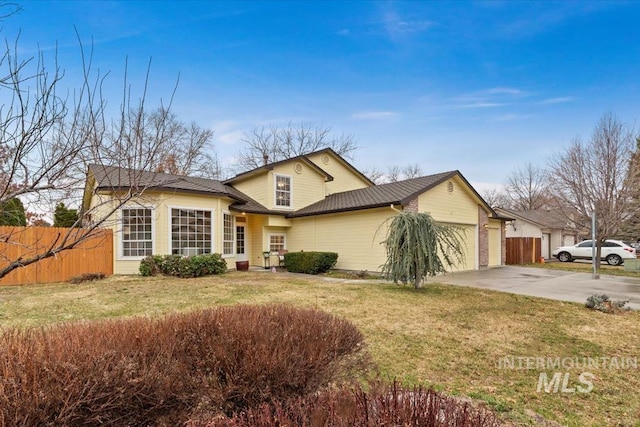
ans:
(553, 284)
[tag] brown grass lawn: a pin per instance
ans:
(449, 337)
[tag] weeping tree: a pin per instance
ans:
(417, 246)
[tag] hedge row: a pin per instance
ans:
(381, 405)
(183, 266)
(165, 371)
(310, 262)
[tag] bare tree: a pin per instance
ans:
(496, 198)
(601, 176)
(275, 143)
(46, 141)
(377, 176)
(412, 171)
(162, 142)
(528, 188)
(630, 229)
(394, 173)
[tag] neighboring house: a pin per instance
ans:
(315, 202)
(552, 227)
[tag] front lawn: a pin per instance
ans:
(459, 340)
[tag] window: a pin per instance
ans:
(283, 190)
(137, 234)
(227, 234)
(240, 240)
(190, 232)
(277, 242)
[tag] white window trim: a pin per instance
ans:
(120, 239)
(284, 242)
(275, 191)
(233, 235)
(191, 208)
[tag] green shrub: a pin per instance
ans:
(310, 262)
(183, 266)
(150, 266)
(164, 371)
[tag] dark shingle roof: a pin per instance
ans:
(113, 177)
(110, 177)
(400, 193)
(543, 217)
(380, 195)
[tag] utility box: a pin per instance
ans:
(632, 264)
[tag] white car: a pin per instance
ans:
(614, 252)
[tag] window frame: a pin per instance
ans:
(170, 227)
(275, 191)
(122, 240)
(284, 242)
(233, 235)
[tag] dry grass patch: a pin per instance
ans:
(450, 337)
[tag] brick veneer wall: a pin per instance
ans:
(412, 206)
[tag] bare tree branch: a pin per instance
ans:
(275, 143)
(47, 142)
(599, 176)
(527, 188)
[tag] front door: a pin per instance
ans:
(241, 247)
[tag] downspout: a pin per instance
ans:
(394, 208)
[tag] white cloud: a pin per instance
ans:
(224, 125)
(478, 105)
(558, 100)
(503, 91)
(373, 115)
(397, 26)
(229, 138)
(481, 187)
(512, 116)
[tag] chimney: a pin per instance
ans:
(265, 158)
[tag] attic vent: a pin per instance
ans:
(297, 167)
(450, 187)
(326, 159)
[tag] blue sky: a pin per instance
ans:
(482, 87)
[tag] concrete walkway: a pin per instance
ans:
(545, 283)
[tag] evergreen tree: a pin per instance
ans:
(64, 217)
(417, 246)
(12, 213)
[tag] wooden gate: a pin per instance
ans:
(523, 250)
(95, 255)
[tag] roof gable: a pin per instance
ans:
(400, 193)
(302, 158)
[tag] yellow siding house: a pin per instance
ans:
(314, 202)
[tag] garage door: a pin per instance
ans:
(469, 248)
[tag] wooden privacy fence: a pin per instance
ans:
(523, 250)
(94, 255)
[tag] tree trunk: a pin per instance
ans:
(418, 281)
(598, 253)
